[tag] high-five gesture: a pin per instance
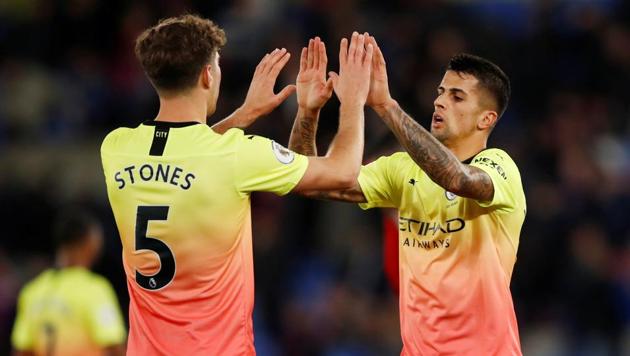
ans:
(260, 99)
(260, 96)
(379, 95)
(352, 84)
(313, 91)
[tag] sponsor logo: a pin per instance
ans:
(283, 155)
(429, 234)
(430, 228)
(492, 164)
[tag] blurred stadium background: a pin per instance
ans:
(68, 75)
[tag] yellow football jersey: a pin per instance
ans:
(69, 311)
(180, 194)
(456, 255)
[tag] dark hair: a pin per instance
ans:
(174, 51)
(72, 227)
(489, 75)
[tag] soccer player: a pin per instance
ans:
(180, 191)
(69, 310)
(461, 207)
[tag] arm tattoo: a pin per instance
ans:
(437, 160)
(302, 139)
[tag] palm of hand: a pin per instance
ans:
(312, 92)
(379, 89)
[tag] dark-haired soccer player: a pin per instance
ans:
(180, 192)
(461, 207)
(69, 310)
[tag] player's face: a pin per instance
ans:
(215, 73)
(457, 107)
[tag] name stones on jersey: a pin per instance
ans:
(151, 172)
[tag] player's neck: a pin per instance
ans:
(67, 258)
(183, 108)
(466, 148)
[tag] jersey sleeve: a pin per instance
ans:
(103, 315)
(508, 190)
(265, 165)
(377, 181)
(22, 334)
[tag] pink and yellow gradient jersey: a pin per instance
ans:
(69, 311)
(456, 256)
(180, 194)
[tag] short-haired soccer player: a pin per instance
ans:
(180, 191)
(461, 207)
(69, 310)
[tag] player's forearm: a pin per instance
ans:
(240, 118)
(302, 139)
(434, 158)
(346, 150)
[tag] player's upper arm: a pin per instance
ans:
(103, 315)
(506, 179)
(264, 165)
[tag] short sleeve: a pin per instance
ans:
(265, 165)
(508, 190)
(104, 317)
(22, 335)
(376, 180)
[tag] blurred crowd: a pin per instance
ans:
(68, 75)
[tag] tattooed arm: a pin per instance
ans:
(435, 159)
(302, 139)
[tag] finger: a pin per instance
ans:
(311, 57)
(277, 67)
(329, 84)
(316, 43)
(303, 61)
(372, 41)
(261, 65)
(369, 53)
(275, 57)
(343, 51)
(333, 78)
(352, 51)
(378, 54)
(323, 58)
(285, 93)
(360, 50)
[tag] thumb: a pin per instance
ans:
(332, 79)
(329, 84)
(285, 93)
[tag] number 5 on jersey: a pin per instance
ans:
(143, 242)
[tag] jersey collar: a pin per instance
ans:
(170, 124)
(469, 160)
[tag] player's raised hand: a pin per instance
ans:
(379, 94)
(352, 84)
(261, 99)
(313, 91)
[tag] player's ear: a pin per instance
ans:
(206, 77)
(487, 120)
